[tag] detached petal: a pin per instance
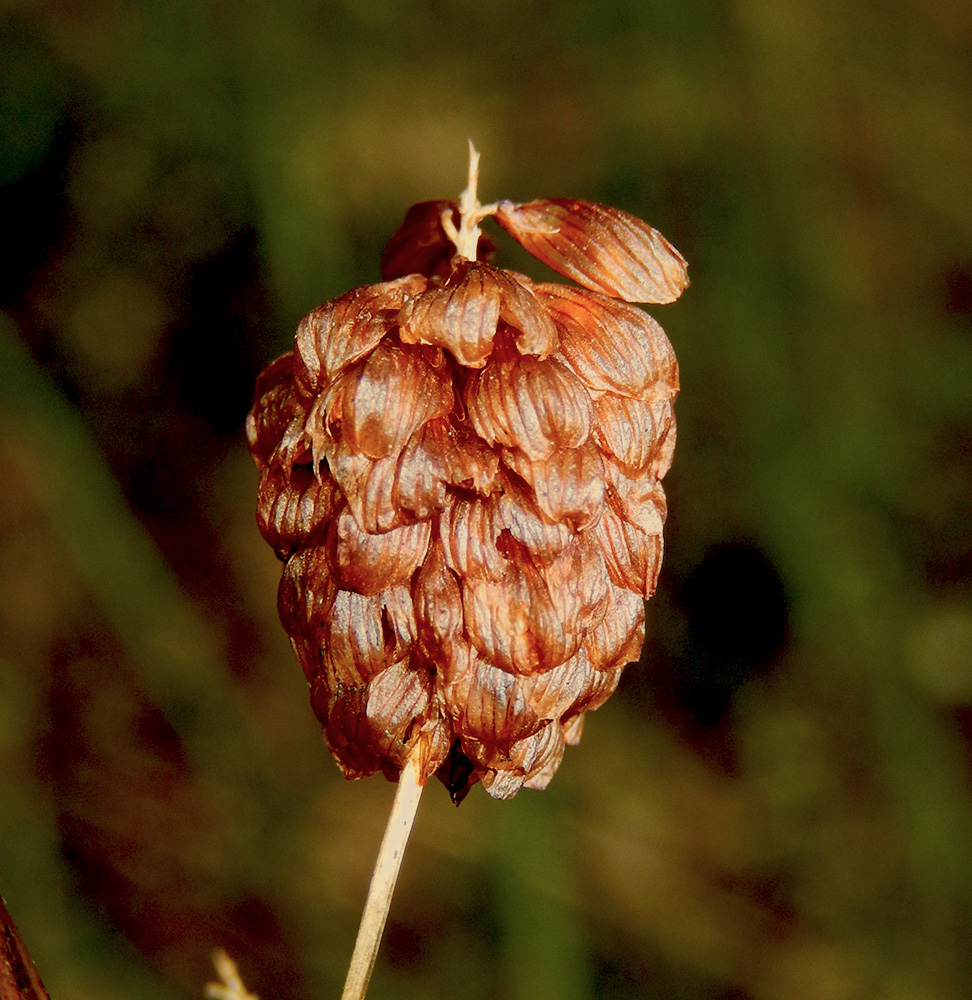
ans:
(601, 248)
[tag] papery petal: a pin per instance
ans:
(621, 634)
(601, 248)
(638, 499)
(462, 315)
(534, 331)
(368, 486)
(632, 556)
(350, 737)
(540, 756)
(305, 597)
(523, 402)
(634, 431)
(437, 601)
(554, 692)
(366, 726)
(569, 485)
(347, 328)
(501, 784)
(396, 698)
(273, 409)
(468, 534)
(515, 510)
(578, 582)
(376, 405)
(531, 763)
(573, 728)
(514, 621)
(450, 454)
(487, 704)
(294, 508)
(369, 563)
(365, 634)
(600, 686)
(610, 345)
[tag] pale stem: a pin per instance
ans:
(471, 212)
(383, 879)
(230, 985)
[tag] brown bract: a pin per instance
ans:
(461, 472)
(601, 248)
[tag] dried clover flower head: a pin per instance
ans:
(461, 470)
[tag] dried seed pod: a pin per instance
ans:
(461, 471)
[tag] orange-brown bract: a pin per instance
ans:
(461, 470)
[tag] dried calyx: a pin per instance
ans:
(461, 470)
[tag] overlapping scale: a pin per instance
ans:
(568, 484)
(368, 563)
(294, 508)
(463, 314)
(345, 329)
(376, 405)
(634, 431)
(612, 346)
(538, 406)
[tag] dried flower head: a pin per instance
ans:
(461, 470)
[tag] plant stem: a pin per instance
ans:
(383, 879)
(471, 213)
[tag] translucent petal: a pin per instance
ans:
(294, 508)
(347, 328)
(304, 600)
(437, 601)
(621, 634)
(636, 432)
(273, 409)
(369, 563)
(568, 485)
(364, 634)
(376, 405)
(515, 622)
(468, 534)
(463, 314)
(610, 345)
(523, 402)
(487, 704)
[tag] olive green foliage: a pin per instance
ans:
(777, 803)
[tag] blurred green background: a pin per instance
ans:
(777, 804)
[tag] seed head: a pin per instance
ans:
(461, 471)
